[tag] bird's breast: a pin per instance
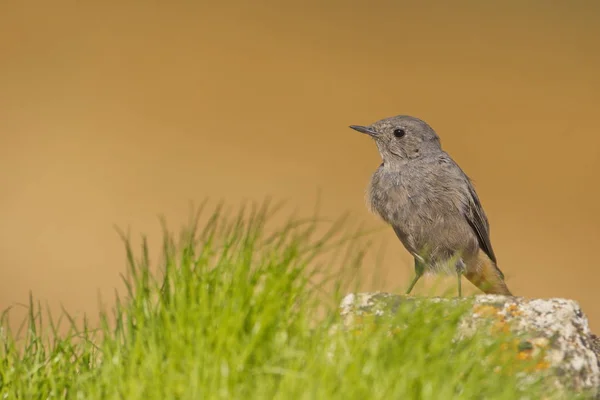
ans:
(389, 195)
(401, 196)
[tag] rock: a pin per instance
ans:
(556, 326)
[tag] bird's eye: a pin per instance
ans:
(399, 132)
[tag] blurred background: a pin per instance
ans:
(112, 113)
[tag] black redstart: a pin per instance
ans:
(431, 204)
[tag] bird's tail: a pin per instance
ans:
(487, 277)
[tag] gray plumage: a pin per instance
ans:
(431, 203)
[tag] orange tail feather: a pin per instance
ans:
(486, 276)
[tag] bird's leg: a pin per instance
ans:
(460, 270)
(419, 271)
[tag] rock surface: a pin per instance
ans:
(557, 327)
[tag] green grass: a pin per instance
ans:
(234, 313)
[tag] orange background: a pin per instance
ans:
(115, 112)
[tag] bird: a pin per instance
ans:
(431, 204)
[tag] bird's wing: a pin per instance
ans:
(477, 219)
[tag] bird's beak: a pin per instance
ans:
(364, 129)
